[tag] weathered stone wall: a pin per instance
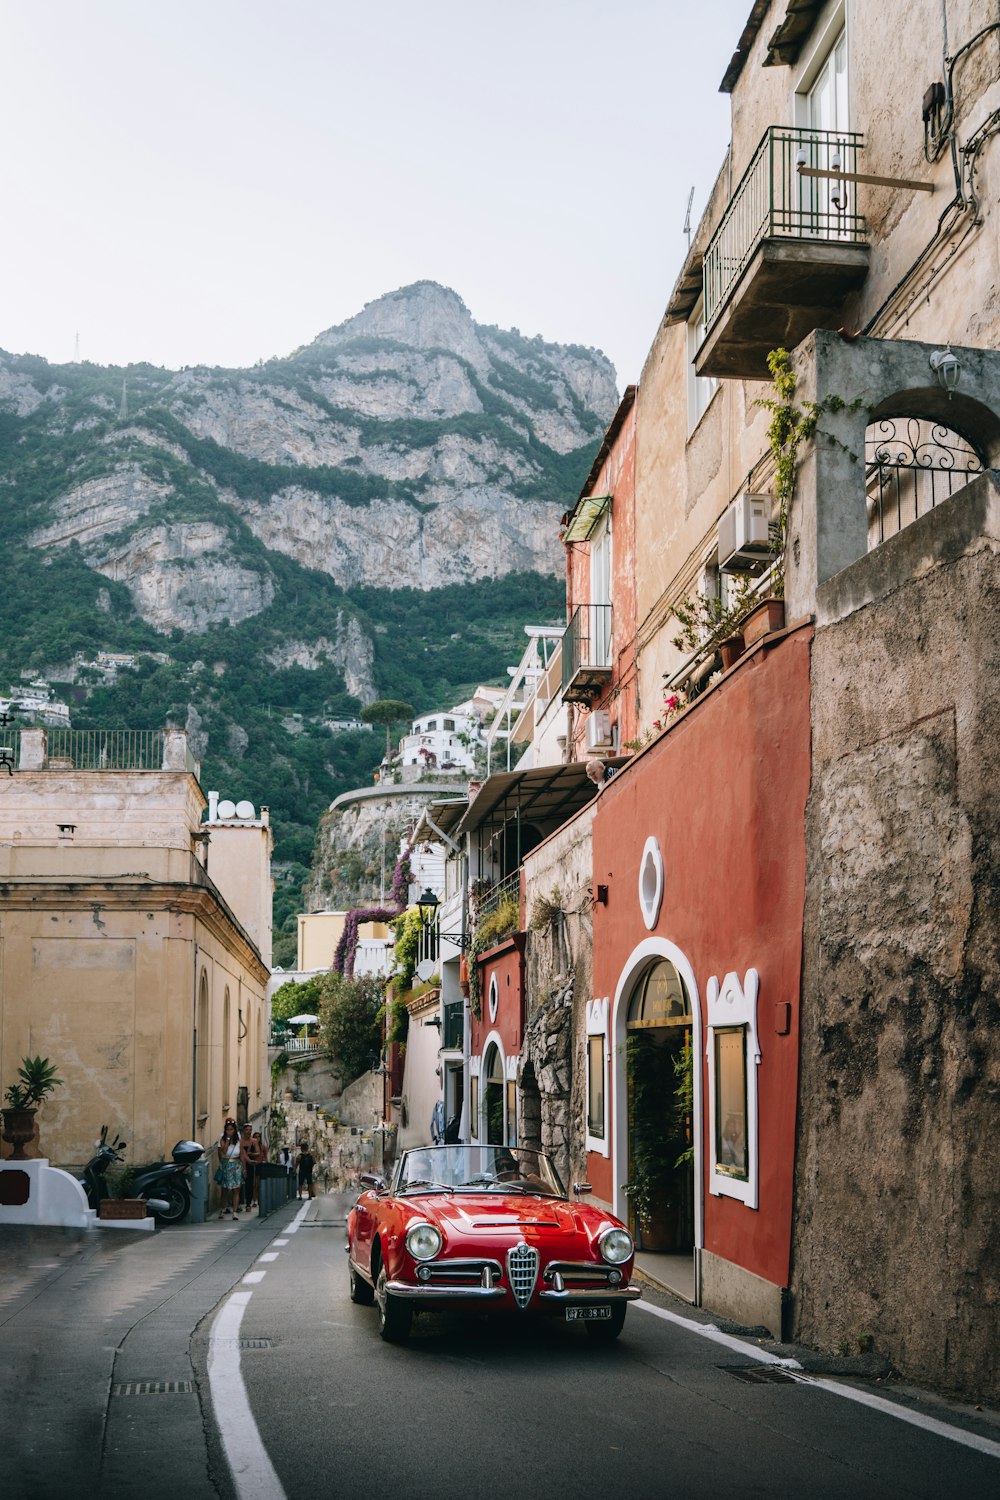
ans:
(898, 1197)
(558, 969)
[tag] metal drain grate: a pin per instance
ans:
(255, 1344)
(153, 1388)
(759, 1374)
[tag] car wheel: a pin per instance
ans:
(174, 1194)
(394, 1315)
(609, 1328)
(361, 1292)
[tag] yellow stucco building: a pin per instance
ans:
(134, 941)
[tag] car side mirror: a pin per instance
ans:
(580, 1188)
(370, 1180)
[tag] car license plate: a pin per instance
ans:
(586, 1314)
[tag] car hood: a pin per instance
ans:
(488, 1215)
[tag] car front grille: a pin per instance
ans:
(522, 1272)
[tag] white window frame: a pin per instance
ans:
(813, 59)
(701, 388)
(598, 1011)
(733, 1005)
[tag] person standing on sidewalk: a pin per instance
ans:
(249, 1172)
(306, 1164)
(229, 1172)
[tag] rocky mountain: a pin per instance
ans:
(360, 519)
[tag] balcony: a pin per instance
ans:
(790, 247)
(586, 654)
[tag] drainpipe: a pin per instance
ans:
(194, 1058)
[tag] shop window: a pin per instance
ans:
(595, 1086)
(511, 1112)
(733, 1060)
(474, 1107)
(597, 1077)
(731, 1155)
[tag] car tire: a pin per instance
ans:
(608, 1329)
(361, 1292)
(394, 1315)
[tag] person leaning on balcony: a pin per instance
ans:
(596, 771)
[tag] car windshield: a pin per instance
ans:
(506, 1169)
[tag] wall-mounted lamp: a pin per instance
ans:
(427, 905)
(945, 365)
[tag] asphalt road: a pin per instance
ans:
(184, 1364)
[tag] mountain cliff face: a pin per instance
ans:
(375, 515)
(409, 447)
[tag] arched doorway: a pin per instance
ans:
(493, 1086)
(659, 1085)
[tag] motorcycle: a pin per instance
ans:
(162, 1184)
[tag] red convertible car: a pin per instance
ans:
(486, 1228)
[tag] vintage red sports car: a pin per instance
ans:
(490, 1228)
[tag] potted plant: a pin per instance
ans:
(36, 1080)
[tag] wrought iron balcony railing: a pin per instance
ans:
(586, 649)
(774, 201)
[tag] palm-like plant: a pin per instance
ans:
(36, 1080)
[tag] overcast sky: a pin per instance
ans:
(217, 181)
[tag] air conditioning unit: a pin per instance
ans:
(598, 730)
(744, 534)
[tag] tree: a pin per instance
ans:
(387, 711)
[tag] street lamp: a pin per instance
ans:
(427, 905)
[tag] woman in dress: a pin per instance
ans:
(230, 1174)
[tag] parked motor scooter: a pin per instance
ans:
(162, 1184)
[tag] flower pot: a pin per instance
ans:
(731, 649)
(18, 1128)
(122, 1208)
(767, 616)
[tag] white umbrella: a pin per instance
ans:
(302, 1021)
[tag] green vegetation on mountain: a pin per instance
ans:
(136, 500)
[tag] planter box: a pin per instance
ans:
(122, 1208)
(768, 616)
(731, 649)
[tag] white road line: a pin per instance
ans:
(252, 1277)
(253, 1474)
(268, 1255)
(906, 1414)
(293, 1226)
(279, 1242)
(849, 1392)
(709, 1331)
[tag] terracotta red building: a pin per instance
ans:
(699, 866)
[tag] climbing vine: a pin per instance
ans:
(491, 930)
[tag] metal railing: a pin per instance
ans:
(587, 641)
(774, 201)
(507, 889)
(911, 465)
(454, 1026)
(105, 749)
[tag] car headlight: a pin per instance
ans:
(616, 1245)
(423, 1241)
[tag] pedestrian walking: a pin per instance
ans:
(306, 1164)
(257, 1154)
(229, 1172)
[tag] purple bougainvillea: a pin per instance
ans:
(347, 947)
